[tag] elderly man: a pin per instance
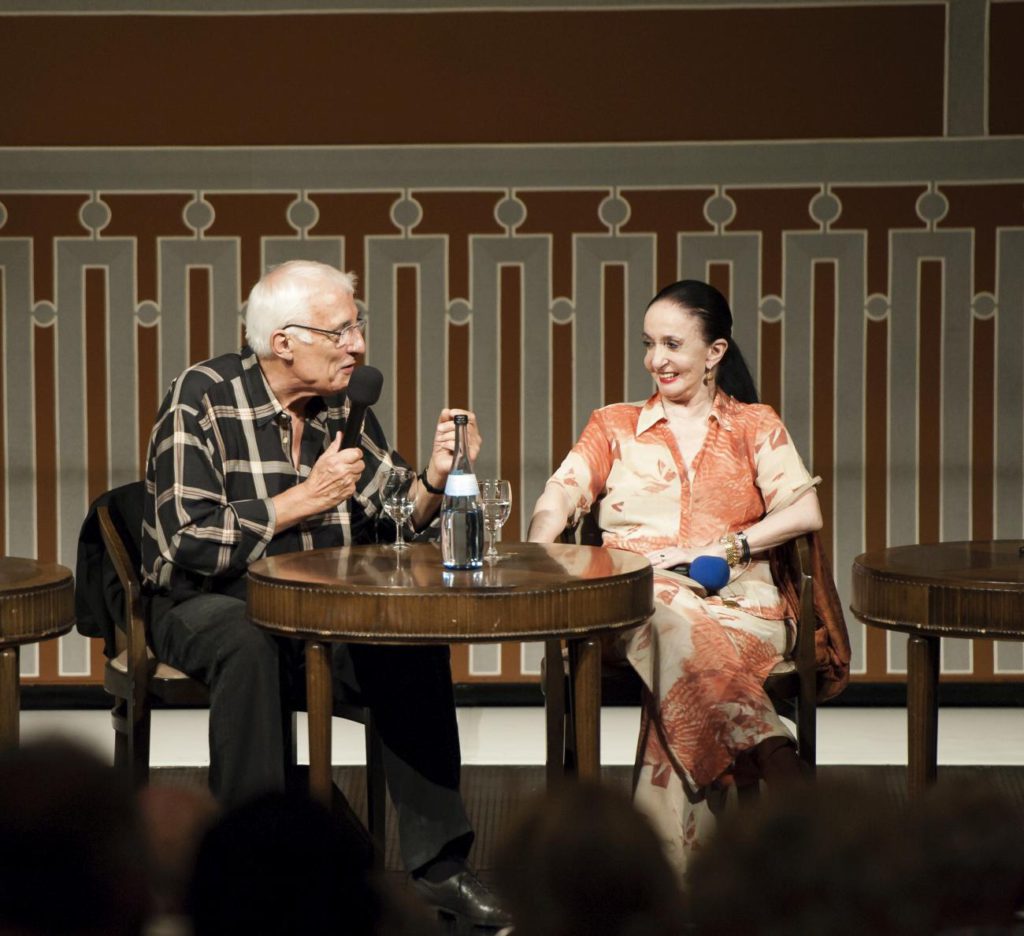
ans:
(245, 461)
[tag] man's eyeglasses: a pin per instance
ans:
(341, 337)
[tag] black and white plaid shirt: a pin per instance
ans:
(220, 450)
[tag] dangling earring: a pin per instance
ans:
(707, 376)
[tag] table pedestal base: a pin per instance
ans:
(9, 697)
(585, 678)
(585, 685)
(320, 705)
(922, 712)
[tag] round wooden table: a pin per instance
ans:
(967, 589)
(37, 601)
(377, 595)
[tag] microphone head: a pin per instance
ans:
(711, 571)
(365, 385)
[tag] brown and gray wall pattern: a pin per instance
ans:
(511, 183)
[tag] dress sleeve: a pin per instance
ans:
(781, 475)
(583, 473)
(198, 528)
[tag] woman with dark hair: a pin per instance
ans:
(698, 469)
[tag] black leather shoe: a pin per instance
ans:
(464, 896)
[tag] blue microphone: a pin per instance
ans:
(710, 571)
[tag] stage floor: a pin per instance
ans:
(511, 736)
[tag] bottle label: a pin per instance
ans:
(461, 485)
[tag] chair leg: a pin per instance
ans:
(554, 709)
(131, 722)
(119, 719)
(376, 791)
(570, 763)
(807, 723)
(138, 725)
(289, 737)
(646, 727)
(571, 758)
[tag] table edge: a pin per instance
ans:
(934, 630)
(57, 597)
(356, 636)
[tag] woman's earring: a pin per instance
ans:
(707, 376)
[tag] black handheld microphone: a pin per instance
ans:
(363, 391)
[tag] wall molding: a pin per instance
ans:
(356, 168)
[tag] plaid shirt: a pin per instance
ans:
(220, 450)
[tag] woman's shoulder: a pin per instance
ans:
(616, 409)
(753, 414)
(619, 415)
(752, 421)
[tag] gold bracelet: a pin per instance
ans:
(733, 549)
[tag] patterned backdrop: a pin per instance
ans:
(877, 275)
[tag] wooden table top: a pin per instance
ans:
(37, 600)
(962, 589)
(374, 593)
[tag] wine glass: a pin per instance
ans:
(397, 503)
(496, 500)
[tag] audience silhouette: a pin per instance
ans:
(72, 855)
(583, 862)
(841, 858)
(828, 857)
(283, 864)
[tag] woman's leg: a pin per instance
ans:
(704, 666)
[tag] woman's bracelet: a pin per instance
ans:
(428, 485)
(737, 549)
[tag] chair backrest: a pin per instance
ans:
(800, 559)
(99, 589)
(586, 532)
(122, 544)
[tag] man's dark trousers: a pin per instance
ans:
(249, 672)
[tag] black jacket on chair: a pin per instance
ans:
(99, 598)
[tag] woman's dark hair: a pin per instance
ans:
(710, 308)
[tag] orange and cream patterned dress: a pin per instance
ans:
(703, 658)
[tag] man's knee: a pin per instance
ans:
(215, 629)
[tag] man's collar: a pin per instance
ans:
(653, 412)
(265, 405)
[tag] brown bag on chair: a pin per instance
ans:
(831, 640)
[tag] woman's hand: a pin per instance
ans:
(669, 556)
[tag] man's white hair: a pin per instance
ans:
(284, 295)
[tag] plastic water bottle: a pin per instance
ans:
(462, 517)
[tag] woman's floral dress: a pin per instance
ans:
(703, 658)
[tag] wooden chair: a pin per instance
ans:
(135, 677)
(792, 685)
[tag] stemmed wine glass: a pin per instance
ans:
(397, 503)
(496, 500)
